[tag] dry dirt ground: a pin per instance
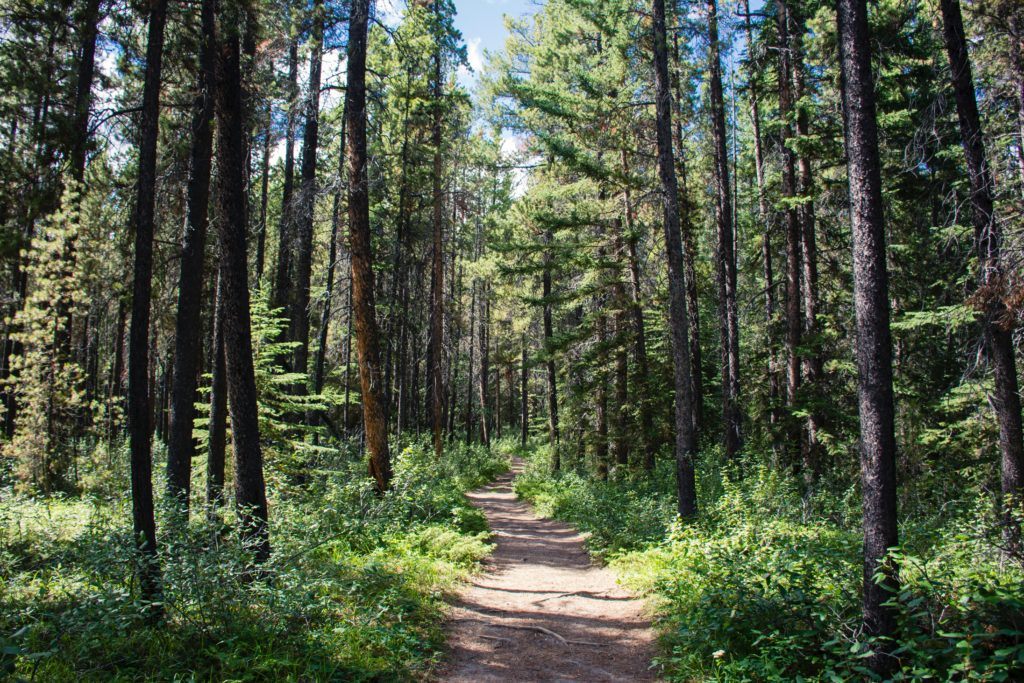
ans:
(542, 611)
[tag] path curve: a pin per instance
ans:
(542, 611)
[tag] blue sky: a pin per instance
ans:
(482, 26)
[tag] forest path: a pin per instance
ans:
(542, 611)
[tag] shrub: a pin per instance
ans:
(353, 590)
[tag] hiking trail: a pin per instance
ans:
(541, 610)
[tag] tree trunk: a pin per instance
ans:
(601, 402)
(621, 444)
(636, 310)
(689, 238)
(728, 313)
(685, 443)
(766, 219)
(115, 392)
(996, 319)
(139, 405)
(485, 366)
(794, 322)
(469, 373)
(374, 410)
(1017, 62)
(549, 353)
(283, 270)
(88, 23)
(524, 418)
(874, 344)
(299, 317)
(250, 488)
(434, 370)
(217, 430)
(332, 267)
(261, 240)
(813, 362)
(348, 337)
(188, 325)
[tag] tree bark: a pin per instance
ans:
(728, 312)
(250, 487)
(374, 411)
(524, 418)
(299, 317)
(794, 321)
(217, 431)
(88, 22)
(261, 240)
(188, 324)
(469, 374)
(601, 402)
(434, 370)
(689, 238)
(549, 353)
(283, 271)
(874, 344)
(812, 449)
(629, 240)
(997, 321)
(766, 219)
(485, 365)
(685, 443)
(139, 405)
(332, 266)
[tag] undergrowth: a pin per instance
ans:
(353, 591)
(765, 586)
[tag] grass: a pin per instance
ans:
(354, 590)
(765, 586)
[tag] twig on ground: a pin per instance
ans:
(539, 629)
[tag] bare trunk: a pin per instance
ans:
(332, 267)
(250, 487)
(434, 371)
(261, 240)
(139, 405)
(812, 449)
(524, 417)
(283, 270)
(685, 443)
(374, 410)
(549, 352)
(299, 317)
(874, 344)
(726, 258)
(629, 241)
(485, 366)
(88, 22)
(217, 429)
(794, 321)
(996, 319)
(188, 325)
(766, 219)
(469, 373)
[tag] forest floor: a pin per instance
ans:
(542, 611)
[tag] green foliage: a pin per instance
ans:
(616, 517)
(755, 591)
(352, 592)
(47, 381)
(284, 398)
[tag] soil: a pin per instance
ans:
(542, 611)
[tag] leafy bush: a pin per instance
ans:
(352, 590)
(753, 591)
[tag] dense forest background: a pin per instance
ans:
(740, 281)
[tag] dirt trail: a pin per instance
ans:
(543, 611)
